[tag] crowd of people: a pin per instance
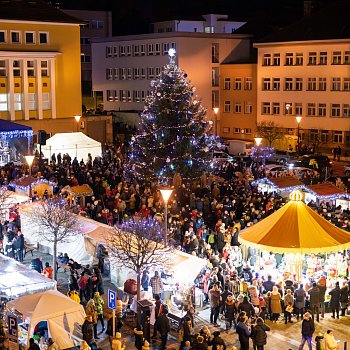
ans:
(204, 219)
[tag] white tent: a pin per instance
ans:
(63, 315)
(76, 144)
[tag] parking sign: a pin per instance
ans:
(13, 333)
(112, 296)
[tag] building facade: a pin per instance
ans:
(123, 67)
(39, 64)
(238, 101)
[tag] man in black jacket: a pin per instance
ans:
(163, 326)
(307, 331)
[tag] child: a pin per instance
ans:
(187, 345)
(319, 341)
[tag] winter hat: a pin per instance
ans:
(229, 298)
(118, 335)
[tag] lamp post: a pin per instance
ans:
(258, 142)
(216, 111)
(298, 118)
(166, 193)
(77, 119)
(30, 159)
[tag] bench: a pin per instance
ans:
(29, 248)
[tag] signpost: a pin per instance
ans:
(13, 333)
(112, 300)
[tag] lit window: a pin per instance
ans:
(46, 100)
(3, 102)
(17, 102)
(32, 101)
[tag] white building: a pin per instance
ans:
(124, 66)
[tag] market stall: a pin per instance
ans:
(325, 192)
(76, 144)
(299, 233)
(58, 317)
(283, 185)
(78, 193)
(31, 185)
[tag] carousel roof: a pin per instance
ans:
(295, 228)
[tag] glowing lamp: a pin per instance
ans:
(296, 196)
(77, 118)
(216, 110)
(166, 194)
(298, 118)
(258, 140)
(172, 52)
(29, 160)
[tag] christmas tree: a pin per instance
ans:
(174, 135)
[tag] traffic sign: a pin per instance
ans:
(13, 333)
(112, 297)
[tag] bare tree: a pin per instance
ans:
(7, 200)
(269, 131)
(137, 245)
(56, 223)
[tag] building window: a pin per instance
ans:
(276, 59)
(158, 70)
(136, 73)
(16, 68)
(122, 50)
(276, 83)
(237, 130)
(137, 96)
(29, 37)
(298, 84)
(150, 72)
(288, 108)
(323, 58)
(238, 107)
(215, 76)
(46, 100)
(338, 137)
(324, 136)
(143, 73)
(122, 73)
(266, 109)
(143, 96)
(298, 108)
(313, 135)
(44, 67)
(227, 84)
(226, 130)
(346, 57)
(96, 24)
(109, 51)
(312, 58)
(289, 59)
(322, 84)
(311, 84)
(288, 84)
(266, 84)
(237, 84)
(275, 108)
(248, 83)
(346, 84)
(3, 102)
(336, 84)
(143, 49)
(150, 49)
(214, 98)
(32, 101)
(111, 94)
(311, 109)
(128, 50)
(335, 110)
(136, 50)
(129, 73)
(165, 48)
(2, 37)
(43, 38)
(84, 41)
(267, 59)
(248, 131)
(248, 108)
(3, 71)
(336, 57)
(109, 73)
(322, 109)
(298, 59)
(15, 37)
(115, 73)
(215, 53)
(157, 49)
(30, 69)
(227, 106)
(346, 110)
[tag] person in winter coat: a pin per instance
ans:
(329, 342)
(299, 297)
(258, 334)
(334, 303)
(246, 306)
(216, 341)
(186, 330)
(307, 331)
(90, 310)
(344, 298)
(322, 286)
(200, 344)
(288, 306)
(276, 307)
(163, 327)
(88, 331)
(314, 293)
(254, 295)
(243, 333)
(99, 302)
(230, 312)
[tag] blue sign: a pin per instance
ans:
(12, 322)
(112, 297)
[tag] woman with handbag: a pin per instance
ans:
(288, 306)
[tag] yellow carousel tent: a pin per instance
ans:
(295, 228)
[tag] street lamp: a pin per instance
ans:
(166, 193)
(258, 141)
(216, 111)
(30, 159)
(298, 118)
(77, 119)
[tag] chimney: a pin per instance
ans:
(309, 5)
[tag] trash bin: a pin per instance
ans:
(144, 316)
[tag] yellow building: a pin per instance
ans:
(40, 83)
(237, 114)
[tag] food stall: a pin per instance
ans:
(48, 315)
(326, 192)
(282, 185)
(78, 193)
(28, 185)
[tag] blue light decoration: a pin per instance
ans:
(259, 153)
(32, 184)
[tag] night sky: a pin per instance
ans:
(134, 16)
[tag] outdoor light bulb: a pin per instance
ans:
(258, 140)
(298, 119)
(166, 194)
(77, 118)
(172, 52)
(216, 110)
(29, 159)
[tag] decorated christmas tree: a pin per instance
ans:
(174, 135)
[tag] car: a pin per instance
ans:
(347, 169)
(312, 161)
(283, 157)
(221, 157)
(273, 169)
